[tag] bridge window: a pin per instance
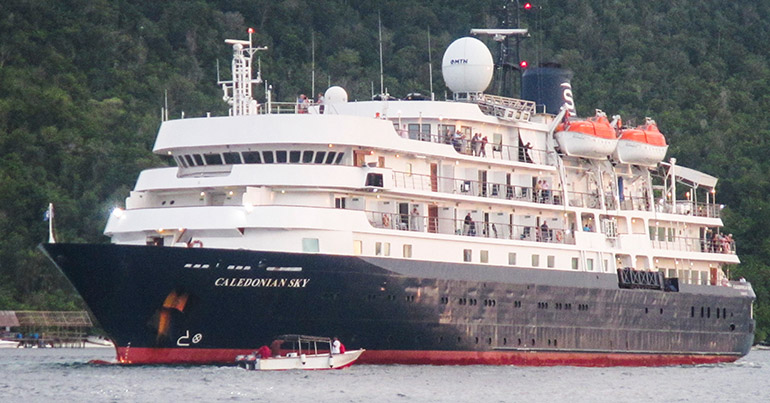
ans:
(252, 157)
(232, 158)
(280, 156)
(213, 159)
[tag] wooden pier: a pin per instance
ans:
(40, 329)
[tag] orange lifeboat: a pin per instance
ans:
(644, 145)
(594, 137)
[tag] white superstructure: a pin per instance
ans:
(405, 179)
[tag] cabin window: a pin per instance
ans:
(310, 245)
(252, 157)
(467, 255)
(378, 248)
(232, 158)
(414, 131)
(511, 258)
(307, 157)
(357, 247)
(198, 159)
(280, 157)
(339, 202)
(386, 248)
(551, 261)
(575, 263)
(589, 264)
(267, 157)
(294, 156)
(373, 179)
(484, 256)
(407, 250)
(213, 159)
(319, 157)
(535, 260)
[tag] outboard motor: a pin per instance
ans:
(549, 86)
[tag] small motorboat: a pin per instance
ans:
(4, 343)
(594, 138)
(644, 145)
(298, 352)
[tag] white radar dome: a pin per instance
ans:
(467, 66)
(335, 95)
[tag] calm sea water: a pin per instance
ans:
(65, 375)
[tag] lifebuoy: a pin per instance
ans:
(195, 244)
(559, 236)
(386, 220)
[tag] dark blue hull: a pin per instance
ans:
(163, 304)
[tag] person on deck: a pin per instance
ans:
(338, 347)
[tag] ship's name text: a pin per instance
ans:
(262, 282)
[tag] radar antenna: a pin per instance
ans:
(237, 92)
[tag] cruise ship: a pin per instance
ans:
(479, 229)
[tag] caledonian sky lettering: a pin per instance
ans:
(261, 282)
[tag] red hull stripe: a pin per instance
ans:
(134, 355)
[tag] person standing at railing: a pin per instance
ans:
(484, 141)
(467, 224)
(545, 234)
(476, 144)
(414, 220)
(320, 101)
(302, 103)
(457, 141)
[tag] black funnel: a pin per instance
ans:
(549, 87)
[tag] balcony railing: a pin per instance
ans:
(693, 244)
(477, 188)
(465, 227)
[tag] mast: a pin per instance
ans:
(238, 91)
(382, 77)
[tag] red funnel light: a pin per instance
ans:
(523, 64)
(251, 30)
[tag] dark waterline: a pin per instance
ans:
(64, 374)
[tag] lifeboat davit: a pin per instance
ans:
(593, 138)
(644, 145)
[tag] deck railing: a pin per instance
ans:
(694, 244)
(477, 188)
(465, 227)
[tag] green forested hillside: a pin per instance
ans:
(82, 83)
